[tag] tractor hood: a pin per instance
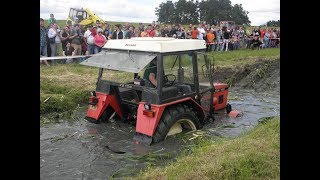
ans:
(120, 60)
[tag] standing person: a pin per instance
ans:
(219, 39)
(52, 19)
(130, 33)
(141, 28)
(107, 31)
(201, 32)
(194, 33)
(117, 34)
(150, 31)
(75, 40)
(209, 38)
(267, 38)
(98, 24)
(144, 33)
(55, 39)
(226, 37)
(188, 32)
(65, 34)
(165, 31)
(157, 31)
(241, 36)
(99, 41)
(89, 39)
(43, 41)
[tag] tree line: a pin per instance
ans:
(193, 12)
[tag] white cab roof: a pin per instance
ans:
(155, 44)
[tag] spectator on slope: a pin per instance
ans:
(144, 33)
(75, 40)
(99, 40)
(256, 43)
(107, 31)
(150, 31)
(226, 37)
(165, 31)
(130, 33)
(89, 39)
(209, 40)
(43, 42)
(219, 38)
(266, 39)
(117, 34)
(55, 40)
(201, 32)
(68, 51)
(51, 19)
(65, 34)
(194, 33)
(157, 31)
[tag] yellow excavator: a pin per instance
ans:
(82, 16)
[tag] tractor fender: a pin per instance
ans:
(104, 100)
(147, 125)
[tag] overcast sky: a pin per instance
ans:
(260, 11)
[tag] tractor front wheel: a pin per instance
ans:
(176, 119)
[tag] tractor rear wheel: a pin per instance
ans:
(176, 119)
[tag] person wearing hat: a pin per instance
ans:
(117, 34)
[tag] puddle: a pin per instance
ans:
(82, 150)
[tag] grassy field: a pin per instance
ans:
(255, 155)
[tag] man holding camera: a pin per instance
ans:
(54, 39)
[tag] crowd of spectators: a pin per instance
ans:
(78, 40)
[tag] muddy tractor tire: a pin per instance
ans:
(180, 115)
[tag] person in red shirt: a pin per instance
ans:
(262, 33)
(150, 31)
(99, 40)
(194, 33)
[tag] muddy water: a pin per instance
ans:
(82, 150)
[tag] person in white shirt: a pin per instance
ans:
(54, 32)
(89, 38)
(201, 32)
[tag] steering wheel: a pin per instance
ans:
(168, 83)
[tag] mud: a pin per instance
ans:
(261, 76)
(82, 150)
(79, 149)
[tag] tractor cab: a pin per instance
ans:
(163, 85)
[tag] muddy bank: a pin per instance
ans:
(260, 76)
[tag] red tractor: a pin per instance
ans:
(156, 83)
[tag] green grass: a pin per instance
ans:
(255, 155)
(243, 56)
(63, 87)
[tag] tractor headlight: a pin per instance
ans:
(147, 106)
(93, 93)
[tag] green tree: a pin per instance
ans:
(186, 12)
(212, 11)
(273, 23)
(239, 16)
(165, 12)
